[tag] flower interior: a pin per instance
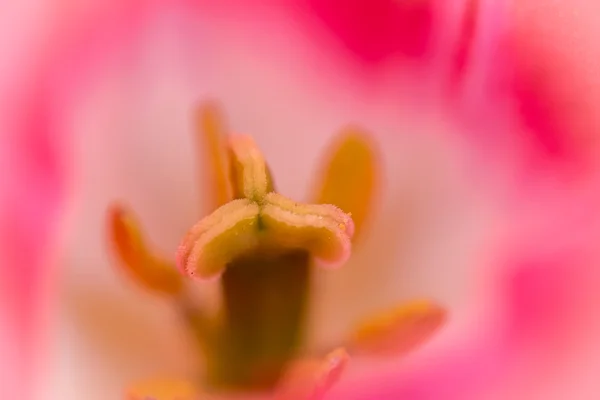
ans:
(262, 248)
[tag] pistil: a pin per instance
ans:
(262, 246)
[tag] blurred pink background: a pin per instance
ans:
(484, 112)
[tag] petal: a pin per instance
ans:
(31, 203)
(557, 81)
(107, 334)
(542, 338)
(377, 30)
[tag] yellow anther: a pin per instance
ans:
(349, 176)
(146, 269)
(212, 144)
(162, 389)
(398, 330)
(250, 175)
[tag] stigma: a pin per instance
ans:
(260, 221)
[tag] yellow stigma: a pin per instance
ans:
(260, 220)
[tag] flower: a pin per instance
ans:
(428, 100)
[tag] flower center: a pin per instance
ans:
(260, 247)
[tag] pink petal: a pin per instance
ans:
(377, 30)
(30, 204)
(542, 339)
(34, 150)
(557, 81)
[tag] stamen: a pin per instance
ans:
(146, 269)
(349, 176)
(398, 330)
(312, 379)
(212, 140)
(163, 389)
(250, 175)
